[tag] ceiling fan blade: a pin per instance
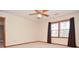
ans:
(33, 14)
(37, 11)
(45, 10)
(45, 15)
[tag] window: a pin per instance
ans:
(60, 29)
(64, 29)
(54, 30)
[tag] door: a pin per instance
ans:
(2, 32)
(1, 35)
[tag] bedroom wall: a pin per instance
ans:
(44, 28)
(19, 30)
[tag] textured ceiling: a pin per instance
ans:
(52, 13)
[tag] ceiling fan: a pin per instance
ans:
(40, 13)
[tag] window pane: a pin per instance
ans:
(64, 33)
(64, 29)
(54, 30)
(54, 26)
(64, 25)
(54, 33)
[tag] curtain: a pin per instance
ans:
(71, 38)
(49, 33)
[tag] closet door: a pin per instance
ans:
(1, 33)
(2, 36)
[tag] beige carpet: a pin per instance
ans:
(38, 45)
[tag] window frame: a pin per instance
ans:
(59, 28)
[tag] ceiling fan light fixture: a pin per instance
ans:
(39, 15)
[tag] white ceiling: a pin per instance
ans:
(52, 13)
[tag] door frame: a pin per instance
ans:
(4, 39)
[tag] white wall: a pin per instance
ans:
(44, 28)
(19, 30)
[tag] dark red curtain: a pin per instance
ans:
(49, 33)
(71, 38)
